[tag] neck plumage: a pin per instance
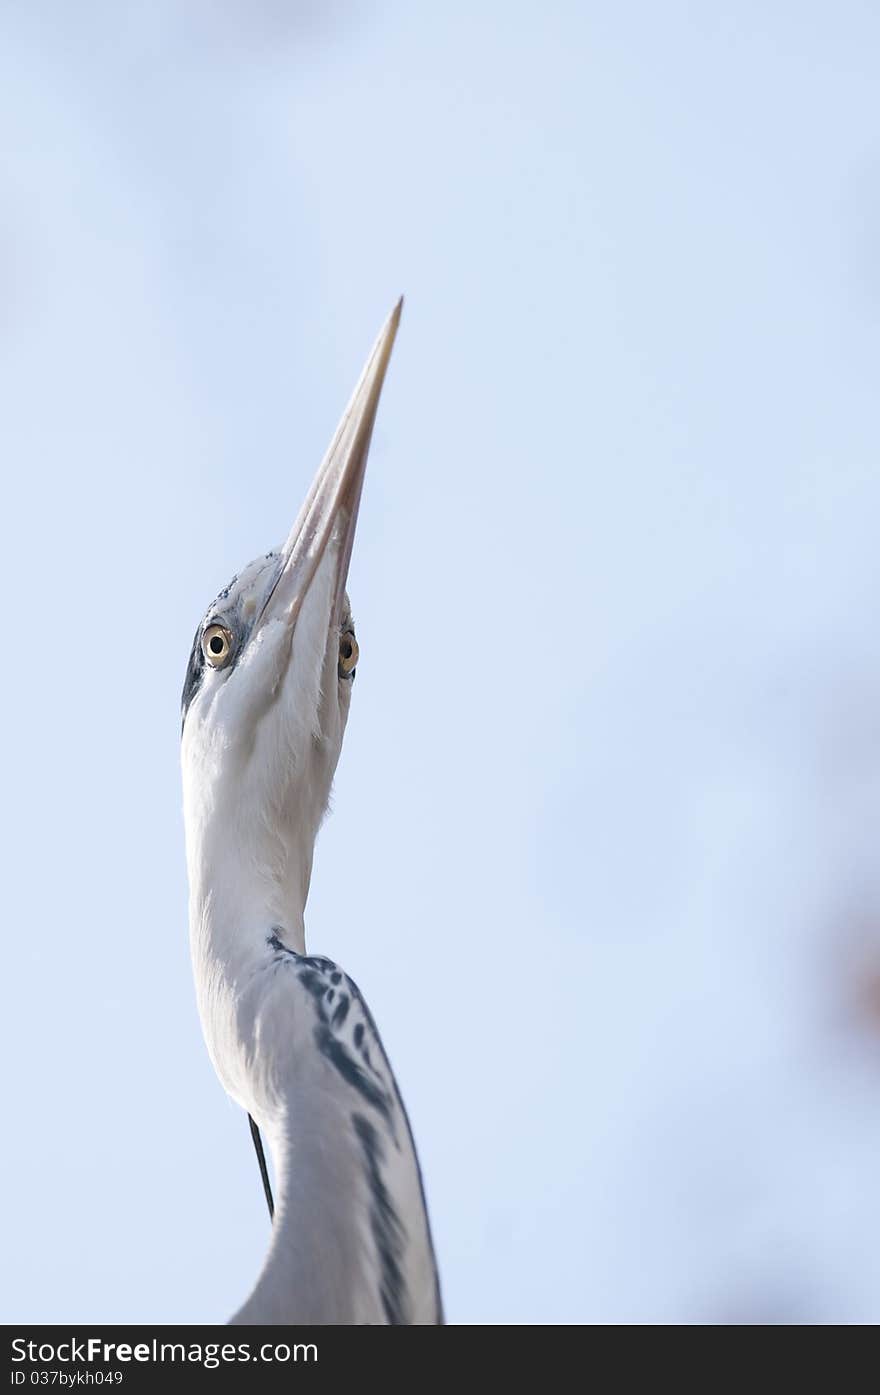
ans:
(260, 1025)
(245, 886)
(246, 932)
(316, 1269)
(293, 1043)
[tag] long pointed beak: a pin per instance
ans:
(331, 506)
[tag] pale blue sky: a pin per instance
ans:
(604, 855)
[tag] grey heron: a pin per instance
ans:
(265, 704)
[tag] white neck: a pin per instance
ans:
(240, 891)
(263, 1051)
(249, 872)
(249, 878)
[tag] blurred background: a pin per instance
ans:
(604, 855)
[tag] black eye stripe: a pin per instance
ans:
(195, 672)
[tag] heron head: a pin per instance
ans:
(268, 686)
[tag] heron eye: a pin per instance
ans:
(348, 654)
(217, 645)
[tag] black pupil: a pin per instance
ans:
(346, 649)
(215, 644)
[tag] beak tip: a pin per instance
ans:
(374, 373)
